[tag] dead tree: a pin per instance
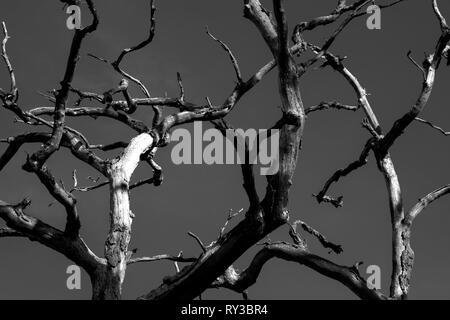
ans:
(265, 213)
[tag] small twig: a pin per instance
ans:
(86, 95)
(356, 266)
(295, 236)
(98, 58)
(109, 147)
(336, 202)
(445, 133)
(7, 232)
(331, 105)
(87, 189)
(125, 74)
(199, 241)
(265, 243)
(425, 202)
(424, 74)
(141, 183)
(47, 96)
(323, 50)
(360, 162)
(209, 102)
(442, 21)
(14, 90)
(366, 124)
(180, 84)
(50, 125)
(230, 217)
(325, 243)
(157, 171)
(237, 70)
(116, 64)
(177, 268)
(74, 177)
(178, 258)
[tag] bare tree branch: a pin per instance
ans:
(239, 282)
(231, 55)
(337, 64)
(38, 158)
(255, 12)
(340, 10)
(198, 240)
(330, 105)
(325, 243)
(73, 248)
(431, 65)
(246, 167)
(7, 232)
(362, 160)
(161, 257)
(442, 21)
(141, 45)
(13, 90)
(230, 217)
(424, 202)
(416, 64)
(445, 133)
(94, 112)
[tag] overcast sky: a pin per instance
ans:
(197, 197)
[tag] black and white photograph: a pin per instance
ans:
(220, 156)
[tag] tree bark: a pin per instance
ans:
(121, 218)
(106, 284)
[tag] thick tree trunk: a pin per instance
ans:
(106, 285)
(107, 282)
(116, 245)
(402, 253)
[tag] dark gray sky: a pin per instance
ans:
(197, 198)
